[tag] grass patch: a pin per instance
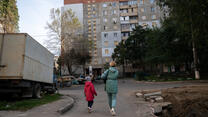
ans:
(26, 104)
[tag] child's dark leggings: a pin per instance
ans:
(90, 103)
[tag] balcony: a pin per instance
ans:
(127, 6)
(133, 21)
(125, 38)
(129, 14)
(124, 21)
(125, 29)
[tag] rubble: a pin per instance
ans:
(139, 95)
(157, 104)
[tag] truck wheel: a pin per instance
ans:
(36, 91)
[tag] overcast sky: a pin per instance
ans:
(33, 16)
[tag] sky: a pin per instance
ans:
(33, 17)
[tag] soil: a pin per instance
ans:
(189, 101)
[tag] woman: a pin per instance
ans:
(111, 75)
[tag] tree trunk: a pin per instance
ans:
(124, 75)
(83, 70)
(69, 69)
(197, 75)
(195, 57)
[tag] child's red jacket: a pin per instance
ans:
(89, 91)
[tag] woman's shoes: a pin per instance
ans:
(113, 112)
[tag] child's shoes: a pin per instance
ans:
(89, 110)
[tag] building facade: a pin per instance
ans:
(107, 22)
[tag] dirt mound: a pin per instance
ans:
(191, 101)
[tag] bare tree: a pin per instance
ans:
(65, 30)
(62, 29)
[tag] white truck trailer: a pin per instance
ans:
(26, 67)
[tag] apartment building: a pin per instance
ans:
(128, 17)
(107, 22)
(149, 13)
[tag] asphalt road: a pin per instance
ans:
(127, 105)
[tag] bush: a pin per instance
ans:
(140, 76)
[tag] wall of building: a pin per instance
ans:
(101, 17)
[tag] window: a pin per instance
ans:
(115, 34)
(132, 26)
(93, 8)
(133, 18)
(93, 1)
(152, 1)
(143, 17)
(105, 20)
(115, 43)
(122, 18)
(152, 9)
(93, 15)
(153, 16)
(114, 12)
(106, 51)
(114, 4)
(88, 1)
(104, 5)
(114, 20)
(141, 1)
(106, 35)
(132, 2)
(89, 9)
(93, 5)
(106, 43)
(89, 5)
(142, 10)
(104, 12)
(105, 27)
(123, 3)
(124, 11)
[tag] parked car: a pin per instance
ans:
(81, 79)
(65, 81)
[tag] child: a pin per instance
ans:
(89, 91)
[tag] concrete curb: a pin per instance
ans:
(169, 82)
(67, 107)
